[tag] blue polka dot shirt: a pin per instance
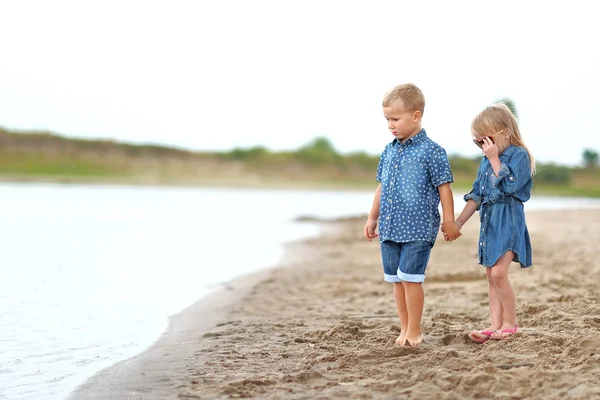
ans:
(410, 174)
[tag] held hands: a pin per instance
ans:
(451, 230)
(370, 227)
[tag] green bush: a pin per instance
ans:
(552, 173)
(462, 164)
(253, 153)
(363, 161)
(319, 152)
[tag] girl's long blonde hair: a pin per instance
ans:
(496, 118)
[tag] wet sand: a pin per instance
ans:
(322, 325)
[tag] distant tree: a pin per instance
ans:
(320, 145)
(319, 151)
(510, 104)
(590, 158)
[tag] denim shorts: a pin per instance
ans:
(405, 261)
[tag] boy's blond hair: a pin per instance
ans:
(408, 96)
(497, 118)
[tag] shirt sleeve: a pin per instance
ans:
(380, 166)
(513, 174)
(439, 167)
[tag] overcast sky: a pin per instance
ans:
(218, 74)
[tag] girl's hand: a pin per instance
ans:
(489, 148)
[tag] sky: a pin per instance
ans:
(215, 75)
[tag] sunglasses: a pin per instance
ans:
(480, 143)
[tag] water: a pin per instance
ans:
(89, 275)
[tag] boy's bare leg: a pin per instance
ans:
(415, 299)
(400, 297)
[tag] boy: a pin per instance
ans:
(414, 175)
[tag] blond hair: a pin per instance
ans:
(497, 118)
(409, 96)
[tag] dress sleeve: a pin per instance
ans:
(475, 193)
(513, 174)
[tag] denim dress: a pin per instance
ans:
(500, 201)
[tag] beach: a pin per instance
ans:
(322, 325)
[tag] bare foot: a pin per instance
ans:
(400, 339)
(414, 340)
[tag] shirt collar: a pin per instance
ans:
(418, 138)
(508, 151)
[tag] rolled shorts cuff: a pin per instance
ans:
(391, 278)
(414, 278)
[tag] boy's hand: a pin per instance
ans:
(450, 230)
(370, 227)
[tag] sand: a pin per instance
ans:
(323, 324)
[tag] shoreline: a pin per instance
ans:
(151, 372)
(321, 324)
(279, 185)
(203, 184)
(155, 372)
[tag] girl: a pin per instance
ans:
(503, 184)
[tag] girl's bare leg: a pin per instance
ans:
(506, 293)
(496, 310)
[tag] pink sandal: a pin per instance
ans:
(480, 339)
(509, 332)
